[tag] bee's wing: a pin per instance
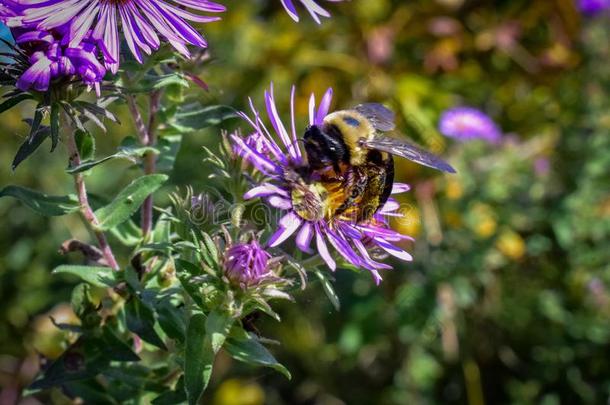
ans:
(381, 117)
(409, 151)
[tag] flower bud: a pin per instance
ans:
(246, 264)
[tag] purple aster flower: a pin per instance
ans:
(246, 264)
(467, 123)
(277, 155)
(50, 60)
(593, 7)
(310, 5)
(7, 9)
(142, 21)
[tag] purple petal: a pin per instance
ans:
(389, 207)
(264, 190)
(312, 107)
(279, 202)
(277, 124)
(323, 250)
(398, 188)
(295, 143)
(304, 237)
(370, 263)
(343, 247)
(288, 225)
(393, 250)
(324, 106)
(292, 12)
(37, 76)
(259, 161)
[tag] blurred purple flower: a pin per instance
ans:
(592, 7)
(542, 166)
(467, 123)
(50, 60)
(141, 20)
(246, 264)
(280, 160)
(310, 5)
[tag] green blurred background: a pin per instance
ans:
(507, 299)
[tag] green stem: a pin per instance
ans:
(312, 262)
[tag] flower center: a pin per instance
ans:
(309, 201)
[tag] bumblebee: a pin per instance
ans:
(351, 165)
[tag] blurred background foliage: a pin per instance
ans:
(507, 300)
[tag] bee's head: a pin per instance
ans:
(324, 146)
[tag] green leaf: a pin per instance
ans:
(94, 275)
(117, 350)
(130, 149)
(248, 349)
(30, 145)
(84, 359)
(177, 396)
(89, 391)
(141, 321)
(13, 101)
(85, 144)
(171, 320)
(90, 164)
(168, 149)
(186, 270)
(130, 146)
(156, 82)
(128, 233)
(43, 204)
(210, 252)
(83, 305)
(195, 117)
(127, 202)
(204, 338)
(328, 288)
(190, 268)
(35, 123)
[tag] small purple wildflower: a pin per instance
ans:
(50, 60)
(310, 5)
(593, 7)
(246, 264)
(467, 123)
(358, 243)
(141, 21)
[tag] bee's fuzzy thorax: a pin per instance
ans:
(354, 127)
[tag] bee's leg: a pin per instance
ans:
(379, 187)
(355, 184)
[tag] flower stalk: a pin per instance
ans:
(147, 137)
(85, 207)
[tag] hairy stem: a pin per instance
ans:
(146, 133)
(85, 207)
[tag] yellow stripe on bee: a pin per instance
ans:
(352, 134)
